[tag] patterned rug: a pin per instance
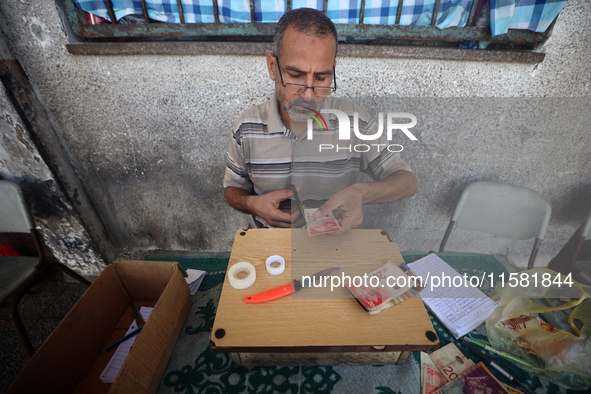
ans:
(193, 368)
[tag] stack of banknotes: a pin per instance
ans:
(390, 285)
(448, 371)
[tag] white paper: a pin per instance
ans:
(112, 369)
(461, 309)
(194, 279)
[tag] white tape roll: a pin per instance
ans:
(275, 270)
(242, 283)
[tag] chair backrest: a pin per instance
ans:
(506, 210)
(14, 216)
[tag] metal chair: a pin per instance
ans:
(501, 209)
(582, 269)
(19, 273)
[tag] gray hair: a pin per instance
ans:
(303, 20)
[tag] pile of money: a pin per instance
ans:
(392, 286)
(431, 376)
(448, 371)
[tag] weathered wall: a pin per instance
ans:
(57, 222)
(148, 134)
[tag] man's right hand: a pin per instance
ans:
(265, 206)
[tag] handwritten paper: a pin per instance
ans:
(112, 369)
(460, 308)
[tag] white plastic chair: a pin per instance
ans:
(501, 209)
(582, 268)
(19, 273)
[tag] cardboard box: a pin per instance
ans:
(72, 358)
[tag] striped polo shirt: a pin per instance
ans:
(265, 156)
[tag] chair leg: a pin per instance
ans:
(20, 328)
(446, 236)
(534, 253)
(16, 318)
(577, 250)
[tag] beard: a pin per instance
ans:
(298, 108)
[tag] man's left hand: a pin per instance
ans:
(349, 202)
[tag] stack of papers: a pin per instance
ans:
(460, 308)
(114, 366)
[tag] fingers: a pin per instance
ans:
(350, 221)
(325, 209)
(267, 207)
(279, 224)
(297, 220)
(279, 219)
(281, 195)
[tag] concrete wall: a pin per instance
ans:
(55, 219)
(148, 134)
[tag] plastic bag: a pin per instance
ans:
(547, 321)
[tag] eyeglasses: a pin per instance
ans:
(296, 88)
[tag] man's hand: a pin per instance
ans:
(297, 220)
(350, 200)
(265, 206)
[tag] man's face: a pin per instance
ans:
(298, 107)
(305, 60)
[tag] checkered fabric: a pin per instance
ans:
(380, 12)
(453, 13)
(535, 15)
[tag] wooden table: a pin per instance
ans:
(307, 328)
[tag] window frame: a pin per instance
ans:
(157, 31)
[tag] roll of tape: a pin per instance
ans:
(247, 281)
(275, 270)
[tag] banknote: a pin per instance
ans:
(431, 377)
(476, 380)
(321, 225)
(451, 361)
(387, 286)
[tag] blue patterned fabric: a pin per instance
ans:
(380, 12)
(535, 15)
(271, 11)
(453, 13)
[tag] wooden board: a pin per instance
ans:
(315, 320)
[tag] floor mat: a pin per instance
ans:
(193, 368)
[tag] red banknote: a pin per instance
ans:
(322, 225)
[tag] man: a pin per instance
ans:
(264, 151)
